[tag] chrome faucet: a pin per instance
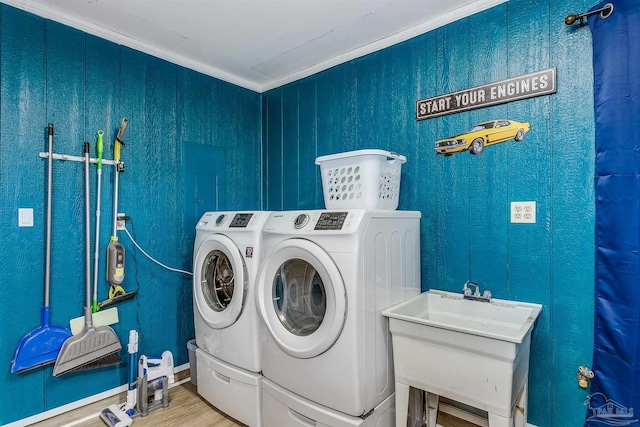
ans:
(475, 296)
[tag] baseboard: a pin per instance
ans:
(80, 403)
(97, 414)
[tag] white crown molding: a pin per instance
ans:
(124, 40)
(425, 27)
(121, 39)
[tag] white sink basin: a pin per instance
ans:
(472, 352)
(499, 319)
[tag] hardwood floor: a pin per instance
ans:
(186, 409)
(446, 420)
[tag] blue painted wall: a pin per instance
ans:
(464, 199)
(193, 143)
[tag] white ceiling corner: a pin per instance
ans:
(256, 44)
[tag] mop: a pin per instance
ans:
(93, 347)
(115, 251)
(99, 146)
(41, 346)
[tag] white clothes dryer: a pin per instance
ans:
(227, 253)
(325, 278)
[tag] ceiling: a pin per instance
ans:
(256, 44)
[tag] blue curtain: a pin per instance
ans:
(615, 390)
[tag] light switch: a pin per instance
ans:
(25, 217)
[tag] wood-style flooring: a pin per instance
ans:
(186, 409)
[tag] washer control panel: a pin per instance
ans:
(331, 221)
(241, 220)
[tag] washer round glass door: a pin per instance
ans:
(301, 298)
(219, 281)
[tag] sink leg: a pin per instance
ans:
(520, 411)
(432, 409)
(402, 404)
(499, 421)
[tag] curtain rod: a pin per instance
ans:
(604, 12)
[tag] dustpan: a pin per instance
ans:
(41, 345)
(90, 349)
(93, 347)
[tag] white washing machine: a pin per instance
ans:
(325, 278)
(227, 253)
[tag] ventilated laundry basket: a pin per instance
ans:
(362, 179)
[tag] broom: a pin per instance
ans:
(109, 316)
(93, 347)
(115, 251)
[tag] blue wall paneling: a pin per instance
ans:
(310, 186)
(426, 179)
(465, 199)
(527, 162)
(572, 207)
(207, 170)
(291, 155)
(52, 73)
(22, 123)
(187, 129)
(274, 168)
(240, 134)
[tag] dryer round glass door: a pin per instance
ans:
(219, 281)
(301, 298)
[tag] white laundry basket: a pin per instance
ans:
(362, 179)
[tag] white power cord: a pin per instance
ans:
(152, 259)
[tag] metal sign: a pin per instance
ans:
(526, 86)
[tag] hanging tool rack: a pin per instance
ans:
(57, 156)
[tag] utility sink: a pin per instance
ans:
(473, 352)
(499, 319)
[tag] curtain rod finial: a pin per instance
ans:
(570, 19)
(604, 12)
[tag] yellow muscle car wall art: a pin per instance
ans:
(482, 135)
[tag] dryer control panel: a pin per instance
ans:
(331, 221)
(314, 222)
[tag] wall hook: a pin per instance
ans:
(585, 375)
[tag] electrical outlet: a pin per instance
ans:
(120, 222)
(523, 212)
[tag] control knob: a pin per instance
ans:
(301, 220)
